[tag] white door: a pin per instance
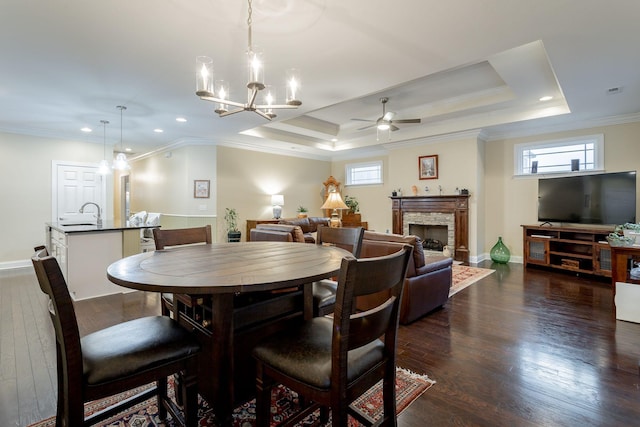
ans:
(74, 185)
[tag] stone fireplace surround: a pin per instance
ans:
(452, 211)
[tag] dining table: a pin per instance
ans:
(232, 295)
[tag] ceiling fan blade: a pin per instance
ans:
(367, 127)
(363, 120)
(407, 121)
(393, 128)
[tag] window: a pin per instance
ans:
(560, 156)
(364, 173)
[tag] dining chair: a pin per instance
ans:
(116, 359)
(324, 291)
(178, 237)
(330, 362)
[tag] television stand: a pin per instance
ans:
(580, 249)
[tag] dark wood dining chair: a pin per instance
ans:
(178, 237)
(117, 358)
(332, 361)
(324, 291)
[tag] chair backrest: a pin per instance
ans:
(347, 238)
(260, 235)
(62, 314)
(351, 330)
(181, 236)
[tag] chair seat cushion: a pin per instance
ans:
(324, 293)
(304, 353)
(134, 346)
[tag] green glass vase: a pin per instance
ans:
(500, 253)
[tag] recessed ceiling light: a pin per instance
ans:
(181, 119)
(128, 149)
(546, 98)
(86, 129)
(334, 140)
(158, 130)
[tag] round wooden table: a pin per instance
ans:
(222, 271)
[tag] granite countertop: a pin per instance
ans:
(106, 226)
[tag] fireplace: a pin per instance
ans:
(445, 216)
(434, 237)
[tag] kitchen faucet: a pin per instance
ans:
(98, 218)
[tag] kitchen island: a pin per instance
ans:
(85, 251)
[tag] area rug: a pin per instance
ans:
(464, 276)
(409, 386)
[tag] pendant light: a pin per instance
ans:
(104, 168)
(121, 163)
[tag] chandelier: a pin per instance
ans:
(217, 91)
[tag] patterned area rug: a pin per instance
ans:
(464, 276)
(409, 386)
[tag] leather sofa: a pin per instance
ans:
(428, 279)
(309, 226)
(277, 232)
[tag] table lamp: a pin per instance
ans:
(334, 201)
(277, 200)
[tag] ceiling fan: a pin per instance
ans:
(386, 121)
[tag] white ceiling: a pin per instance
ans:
(458, 65)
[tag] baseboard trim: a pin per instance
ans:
(15, 264)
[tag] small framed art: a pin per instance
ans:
(201, 188)
(428, 167)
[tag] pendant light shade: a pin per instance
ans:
(121, 163)
(104, 168)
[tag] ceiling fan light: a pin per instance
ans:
(383, 126)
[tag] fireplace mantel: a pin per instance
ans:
(458, 205)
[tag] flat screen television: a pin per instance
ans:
(607, 198)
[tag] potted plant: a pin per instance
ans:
(352, 202)
(231, 219)
(302, 212)
(352, 216)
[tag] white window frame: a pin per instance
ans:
(598, 161)
(350, 168)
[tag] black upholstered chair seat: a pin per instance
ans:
(304, 354)
(132, 347)
(324, 293)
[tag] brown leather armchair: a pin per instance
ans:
(428, 279)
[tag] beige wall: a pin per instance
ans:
(25, 198)
(247, 179)
(512, 202)
(243, 179)
(459, 166)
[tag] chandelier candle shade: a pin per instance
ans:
(277, 200)
(334, 201)
(217, 91)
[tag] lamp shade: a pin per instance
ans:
(334, 201)
(277, 200)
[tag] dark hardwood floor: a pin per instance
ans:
(519, 348)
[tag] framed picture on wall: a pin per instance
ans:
(201, 188)
(428, 167)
